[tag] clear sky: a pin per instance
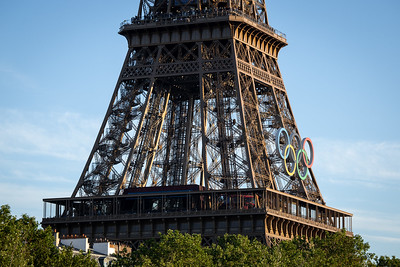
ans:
(60, 60)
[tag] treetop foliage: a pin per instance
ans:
(178, 249)
(22, 243)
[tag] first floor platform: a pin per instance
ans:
(265, 214)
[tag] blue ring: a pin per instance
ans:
(277, 140)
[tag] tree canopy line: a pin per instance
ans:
(24, 243)
(178, 249)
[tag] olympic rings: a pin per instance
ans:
(293, 156)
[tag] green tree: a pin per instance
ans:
(173, 249)
(23, 243)
(336, 249)
(238, 250)
(39, 243)
(66, 258)
(176, 249)
(294, 252)
(387, 261)
(341, 250)
(13, 248)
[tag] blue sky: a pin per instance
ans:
(60, 60)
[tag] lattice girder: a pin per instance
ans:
(196, 112)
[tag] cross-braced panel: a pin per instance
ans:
(225, 154)
(254, 135)
(198, 112)
(109, 155)
(270, 106)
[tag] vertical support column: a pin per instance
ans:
(145, 107)
(205, 175)
(335, 219)
(44, 210)
(222, 133)
(170, 133)
(149, 163)
(137, 135)
(242, 116)
(187, 140)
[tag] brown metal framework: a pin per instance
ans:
(270, 216)
(199, 101)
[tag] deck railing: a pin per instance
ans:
(190, 16)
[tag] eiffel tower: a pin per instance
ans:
(199, 135)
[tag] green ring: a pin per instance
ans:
(297, 165)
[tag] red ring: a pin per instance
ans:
(305, 157)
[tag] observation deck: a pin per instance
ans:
(258, 213)
(198, 17)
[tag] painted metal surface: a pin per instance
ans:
(200, 100)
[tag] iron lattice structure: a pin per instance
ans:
(199, 100)
(193, 137)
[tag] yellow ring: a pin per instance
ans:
(294, 169)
